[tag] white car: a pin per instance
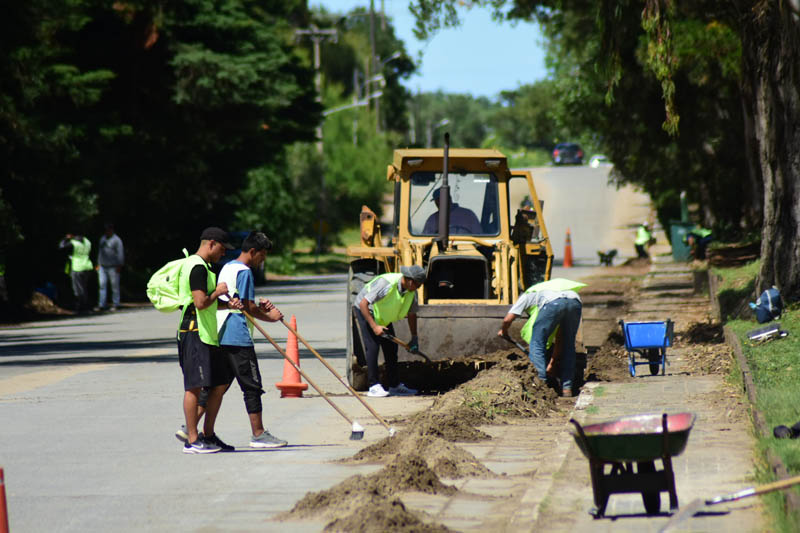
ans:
(597, 160)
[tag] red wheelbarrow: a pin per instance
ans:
(614, 447)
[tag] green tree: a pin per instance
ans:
(164, 117)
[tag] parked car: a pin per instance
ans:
(567, 154)
(598, 160)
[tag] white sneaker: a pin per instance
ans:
(377, 391)
(402, 390)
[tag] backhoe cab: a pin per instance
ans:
(477, 229)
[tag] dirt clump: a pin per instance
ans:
(610, 361)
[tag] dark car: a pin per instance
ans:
(567, 154)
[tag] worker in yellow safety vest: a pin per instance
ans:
(550, 305)
(385, 299)
(79, 268)
(644, 238)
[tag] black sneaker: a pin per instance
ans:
(216, 441)
(200, 446)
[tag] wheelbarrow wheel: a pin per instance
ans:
(651, 499)
(654, 357)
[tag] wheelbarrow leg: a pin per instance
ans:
(600, 493)
(670, 479)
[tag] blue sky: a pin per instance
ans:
(481, 57)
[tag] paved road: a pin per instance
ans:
(89, 406)
(599, 216)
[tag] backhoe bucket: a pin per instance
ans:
(454, 331)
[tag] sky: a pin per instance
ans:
(481, 57)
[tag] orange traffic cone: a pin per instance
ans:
(568, 251)
(291, 386)
(3, 508)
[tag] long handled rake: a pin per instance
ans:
(357, 432)
(390, 429)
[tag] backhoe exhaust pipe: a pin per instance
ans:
(444, 201)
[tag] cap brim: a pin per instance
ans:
(227, 245)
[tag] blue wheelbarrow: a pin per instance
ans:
(650, 341)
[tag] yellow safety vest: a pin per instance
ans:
(206, 318)
(643, 236)
(555, 284)
(393, 306)
(79, 260)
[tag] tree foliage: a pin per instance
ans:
(164, 117)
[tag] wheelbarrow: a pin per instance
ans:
(622, 455)
(650, 340)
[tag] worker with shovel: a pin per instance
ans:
(386, 299)
(551, 305)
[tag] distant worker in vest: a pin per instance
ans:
(698, 238)
(644, 239)
(110, 258)
(386, 299)
(550, 305)
(201, 360)
(462, 220)
(236, 332)
(79, 267)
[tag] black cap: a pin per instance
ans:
(217, 234)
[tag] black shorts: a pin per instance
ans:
(203, 365)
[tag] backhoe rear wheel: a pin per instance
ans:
(361, 272)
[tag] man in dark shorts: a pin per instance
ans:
(198, 346)
(235, 332)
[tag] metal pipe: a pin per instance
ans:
(444, 200)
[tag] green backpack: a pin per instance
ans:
(163, 290)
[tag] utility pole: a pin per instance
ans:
(317, 36)
(374, 61)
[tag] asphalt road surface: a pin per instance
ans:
(89, 405)
(600, 217)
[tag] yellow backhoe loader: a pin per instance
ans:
(477, 229)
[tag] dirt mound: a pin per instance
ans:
(381, 517)
(703, 332)
(444, 458)
(41, 304)
(367, 499)
(610, 361)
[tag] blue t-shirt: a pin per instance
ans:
(234, 331)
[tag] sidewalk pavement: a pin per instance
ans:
(545, 484)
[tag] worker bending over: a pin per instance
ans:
(386, 299)
(550, 305)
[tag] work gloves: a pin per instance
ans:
(413, 346)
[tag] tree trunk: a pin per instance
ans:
(772, 57)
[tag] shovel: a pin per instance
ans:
(696, 505)
(515, 343)
(406, 346)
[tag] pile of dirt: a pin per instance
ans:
(704, 348)
(367, 502)
(42, 305)
(610, 361)
(444, 458)
(384, 516)
(510, 388)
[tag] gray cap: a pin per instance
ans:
(415, 272)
